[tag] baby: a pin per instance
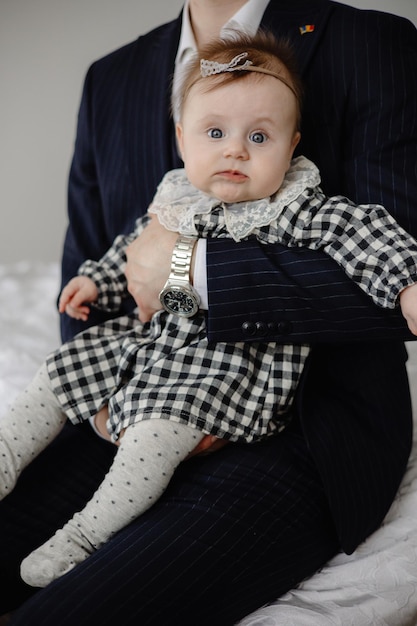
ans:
(162, 386)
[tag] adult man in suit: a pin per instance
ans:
(240, 527)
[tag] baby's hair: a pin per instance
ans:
(263, 50)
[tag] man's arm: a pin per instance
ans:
(86, 236)
(361, 129)
(101, 204)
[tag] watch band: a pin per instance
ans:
(178, 295)
(181, 258)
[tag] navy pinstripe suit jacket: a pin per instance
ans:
(360, 127)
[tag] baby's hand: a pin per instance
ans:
(408, 303)
(75, 294)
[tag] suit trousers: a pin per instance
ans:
(234, 530)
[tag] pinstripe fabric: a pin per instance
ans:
(205, 540)
(280, 281)
(234, 525)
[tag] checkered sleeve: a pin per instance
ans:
(108, 272)
(371, 247)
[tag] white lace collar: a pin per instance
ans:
(177, 203)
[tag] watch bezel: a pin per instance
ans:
(186, 289)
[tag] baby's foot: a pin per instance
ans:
(55, 557)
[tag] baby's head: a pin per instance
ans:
(239, 117)
(226, 60)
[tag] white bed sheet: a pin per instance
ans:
(375, 586)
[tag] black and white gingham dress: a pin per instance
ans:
(168, 369)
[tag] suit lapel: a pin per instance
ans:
(146, 95)
(287, 18)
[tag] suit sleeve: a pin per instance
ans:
(85, 236)
(365, 240)
(300, 294)
(86, 233)
(97, 212)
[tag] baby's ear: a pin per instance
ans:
(295, 140)
(180, 136)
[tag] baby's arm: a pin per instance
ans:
(108, 273)
(75, 295)
(408, 303)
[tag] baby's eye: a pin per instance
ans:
(258, 137)
(215, 133)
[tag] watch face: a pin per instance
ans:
(179, 301)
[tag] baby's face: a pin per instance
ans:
(237, 140)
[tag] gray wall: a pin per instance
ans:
(46, 47)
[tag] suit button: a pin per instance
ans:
(284, 327)
(261, 329)
(249, 329)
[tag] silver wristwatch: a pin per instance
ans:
(178, 295)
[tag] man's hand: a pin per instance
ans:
(208, 444)
(148, 266)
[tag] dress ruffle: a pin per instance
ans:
(177, 203)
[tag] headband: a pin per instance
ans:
(209, 68)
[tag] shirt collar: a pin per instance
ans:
(187, 43)
(247, 20)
